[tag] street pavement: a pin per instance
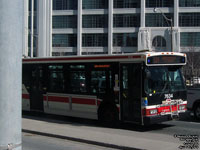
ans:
(100, 136)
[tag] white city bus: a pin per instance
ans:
(143, 88)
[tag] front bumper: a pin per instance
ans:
(156, 119)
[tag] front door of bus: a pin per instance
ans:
(130, 92)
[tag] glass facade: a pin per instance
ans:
(125, 39)
(65, 4)
(94, 40)
(64, 40)
(95, 21)
(157, 20)
(159, 3)
(189, 19)
(189, 3)
(190, 39)
(95, 4)
(126, 3)
(126, 20)
(64, 21)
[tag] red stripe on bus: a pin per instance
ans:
(25, 96)
(57, 99)
(84, 101)
(82, 58)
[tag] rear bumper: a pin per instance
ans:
(156, 119)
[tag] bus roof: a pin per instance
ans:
(139, 57)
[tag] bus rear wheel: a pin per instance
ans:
(197, 111)
(108, 115)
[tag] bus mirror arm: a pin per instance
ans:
(147, 74)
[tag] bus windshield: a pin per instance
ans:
(163, 79)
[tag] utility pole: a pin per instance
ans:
(11, 40)
(171, 24)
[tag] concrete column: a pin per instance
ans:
(110, 27)
(176, 12)
(11, 35)
(142, 15)
(79, 28)
(32, 27)
(42, 24)
(25, 31)
(49, 28)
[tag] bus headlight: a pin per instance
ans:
(153, 111)
(182, 107)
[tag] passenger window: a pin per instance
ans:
(56, 78)
(99, 83)
(77, 79)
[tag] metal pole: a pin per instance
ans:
(11, 40)
(171, 24)
(171, 36)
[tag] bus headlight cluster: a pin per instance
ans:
(182, 107)
(153, 111)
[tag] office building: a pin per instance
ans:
(85, 27)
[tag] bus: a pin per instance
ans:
(143, 88)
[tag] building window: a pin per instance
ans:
(64, 40)
(157, 20)
(125, 39)
(65, 4)
(126, 20)
(190, 39)
(95, 4)
(189, 19)
(95, 21)
(189, 3)
(30, 5)
(159, 41)
(95, 40)
(65, 21)
(159, 3)
(126, 4)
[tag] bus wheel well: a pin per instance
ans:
(197, 102)
(196, 109)
(108, 114)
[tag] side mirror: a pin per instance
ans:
(147, 74)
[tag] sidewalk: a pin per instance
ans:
(113, 138)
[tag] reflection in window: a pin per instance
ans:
(126, 20)
(64, 40)
(95, 40)
(77, 79)
(125, 39)
(126, 4)
(95, 4)
(189, 19)
(190, 39)
(159, 41)
(64, 21)
(56, 78)
(65, 4)
(189, 3)
(159, 3)
(157, 20)
(95, 21)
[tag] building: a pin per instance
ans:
(83, 27)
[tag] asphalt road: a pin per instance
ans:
(185, 126)
(36, 142)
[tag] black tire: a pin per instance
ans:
(108, 115)
(197, 111)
